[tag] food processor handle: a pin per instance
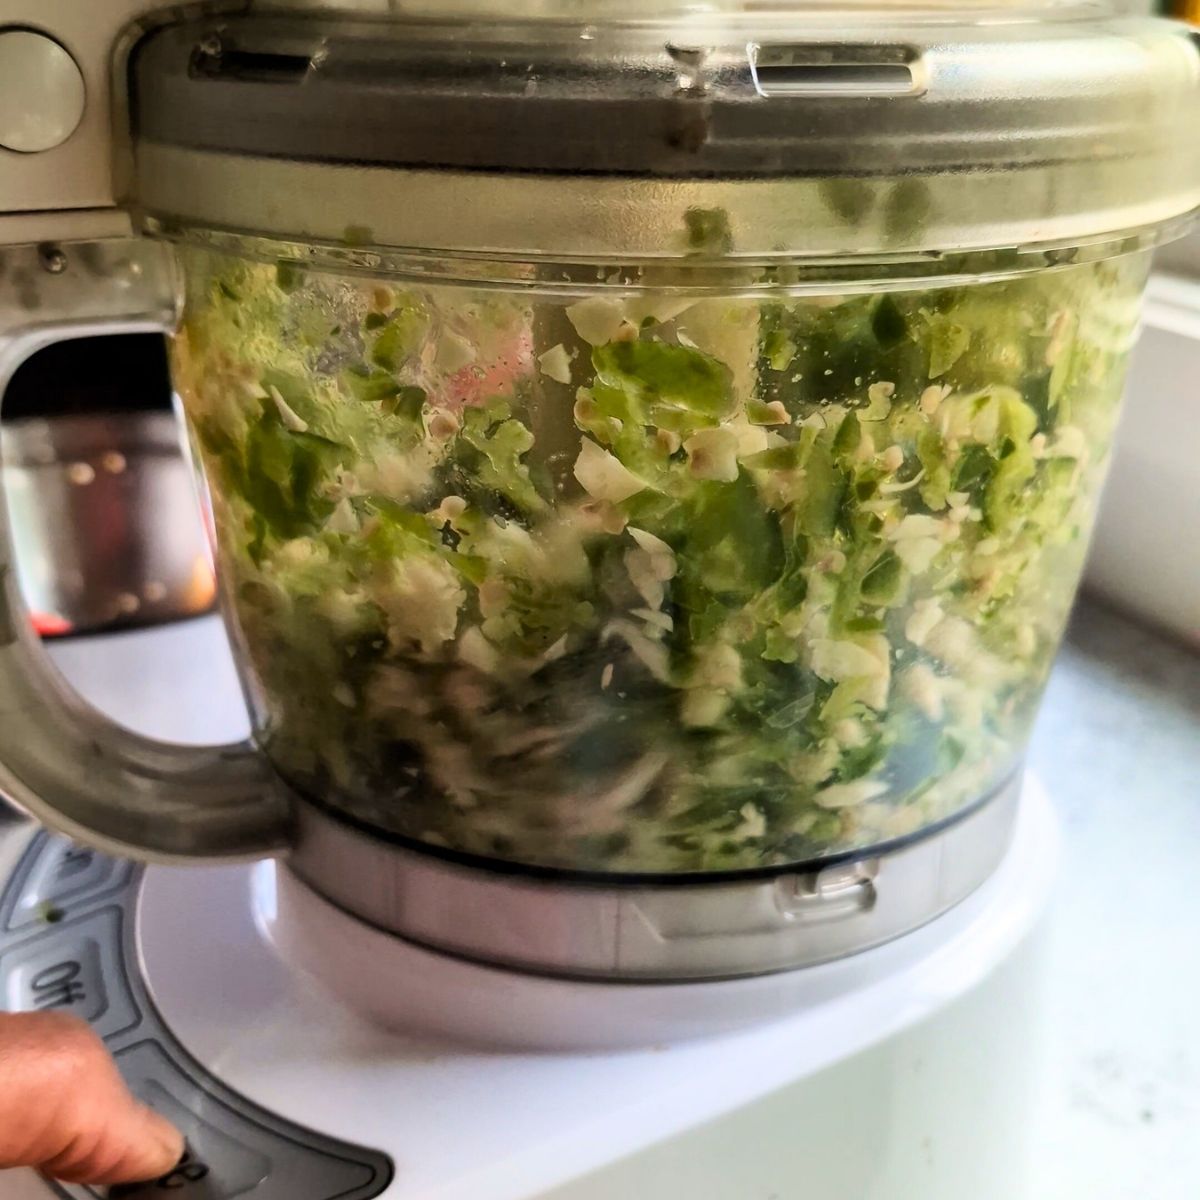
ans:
(61, 760)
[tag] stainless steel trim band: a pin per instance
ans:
(686, 931)
(581, 218)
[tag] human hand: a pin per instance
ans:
(65, 1110)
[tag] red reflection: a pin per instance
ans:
(49, 625)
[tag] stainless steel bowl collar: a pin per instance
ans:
(687, 930)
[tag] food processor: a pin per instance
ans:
(651, 453)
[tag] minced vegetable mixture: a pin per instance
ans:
(643, 583)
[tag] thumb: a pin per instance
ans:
(65, 1110)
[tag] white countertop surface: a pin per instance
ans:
(1118, 747)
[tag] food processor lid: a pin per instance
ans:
(916, 127)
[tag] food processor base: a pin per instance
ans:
(905, 1071)
(472, 1003)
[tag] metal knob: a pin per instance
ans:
(41, 92)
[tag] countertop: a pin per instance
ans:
(1118, 747)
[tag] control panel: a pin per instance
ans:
(67, 942)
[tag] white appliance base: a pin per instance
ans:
(411, 989)
(897, 1074)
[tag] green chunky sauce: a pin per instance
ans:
(647, 584)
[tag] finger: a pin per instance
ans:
(65, 1110)
(140, 1145)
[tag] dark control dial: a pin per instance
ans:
(67, 942)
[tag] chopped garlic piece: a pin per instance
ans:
(422, 598)
(932, 397)
(712, 454)
(850, 733)
(342, 609)
(596, 319)
(603, 476)
(703, 707)
(839, 660)
(554, 651)
(917, 525)
(879, 396)
(880, 507)
(658, 307)
(655, 619)
(918, 553)
(476, 651)
(443, 425)
(451, 508)
(750, 439)
(1061, 328)
(403, 477)
(717, 666)
(642, 574)
(556, 364)
(297, 552)
(669, 440)
(1071, 442)
(811, 768)
(600, 515)
(585, 409)
(453, 352)
(652, 655)
(849, 795)
(952, 641)
(650, 543)
(753, 823)
(344, 484)
(985, 427)
(343, 519)
(493, 597)
(290, 418)
(924, 689)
